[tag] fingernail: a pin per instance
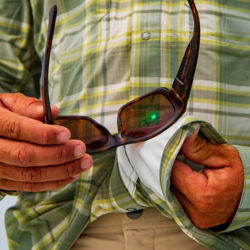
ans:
(63, 136)
(79, 150)
(85, 164)
(39, 108)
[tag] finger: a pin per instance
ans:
(22, 128)
(35, 186)
(198, 218)
(189, 187)
(25, 106)
(199, 150)
(187, 181)
(29, 155)
(199, 189)
(45, 173)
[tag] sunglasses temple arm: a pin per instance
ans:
(45, 68)
(184, 78)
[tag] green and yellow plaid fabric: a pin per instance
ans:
(104, 54)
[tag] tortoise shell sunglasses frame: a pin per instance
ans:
(176, 97)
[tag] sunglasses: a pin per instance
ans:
(140, 119)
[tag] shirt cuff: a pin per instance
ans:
(3, 193)
(242, 216)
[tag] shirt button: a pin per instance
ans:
(146, 35)
(135, 214)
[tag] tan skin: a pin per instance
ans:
(35, 156)
(38, 157)
(210, 198)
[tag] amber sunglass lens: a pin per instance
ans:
(146, 115)
(85, 130)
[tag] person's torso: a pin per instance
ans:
(106, 53)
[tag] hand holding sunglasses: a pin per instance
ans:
(140, 119)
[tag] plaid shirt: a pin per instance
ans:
(104, 54)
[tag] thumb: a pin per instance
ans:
(197, 149)
(23, 105)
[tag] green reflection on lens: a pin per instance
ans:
(153, 116)
(150, 119)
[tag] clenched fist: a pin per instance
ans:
(210, 198)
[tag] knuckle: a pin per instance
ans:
(28, 186)
(203, 207)
(61, 155)
(48, 135)
(70, 170)
(12, 129)
(44, 137)
(15, 97)
(25, 101)
(21, 155)
(33, 174)
(30, 101)
(205, 204)
(33, 187)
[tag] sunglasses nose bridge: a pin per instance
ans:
(118, 140)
